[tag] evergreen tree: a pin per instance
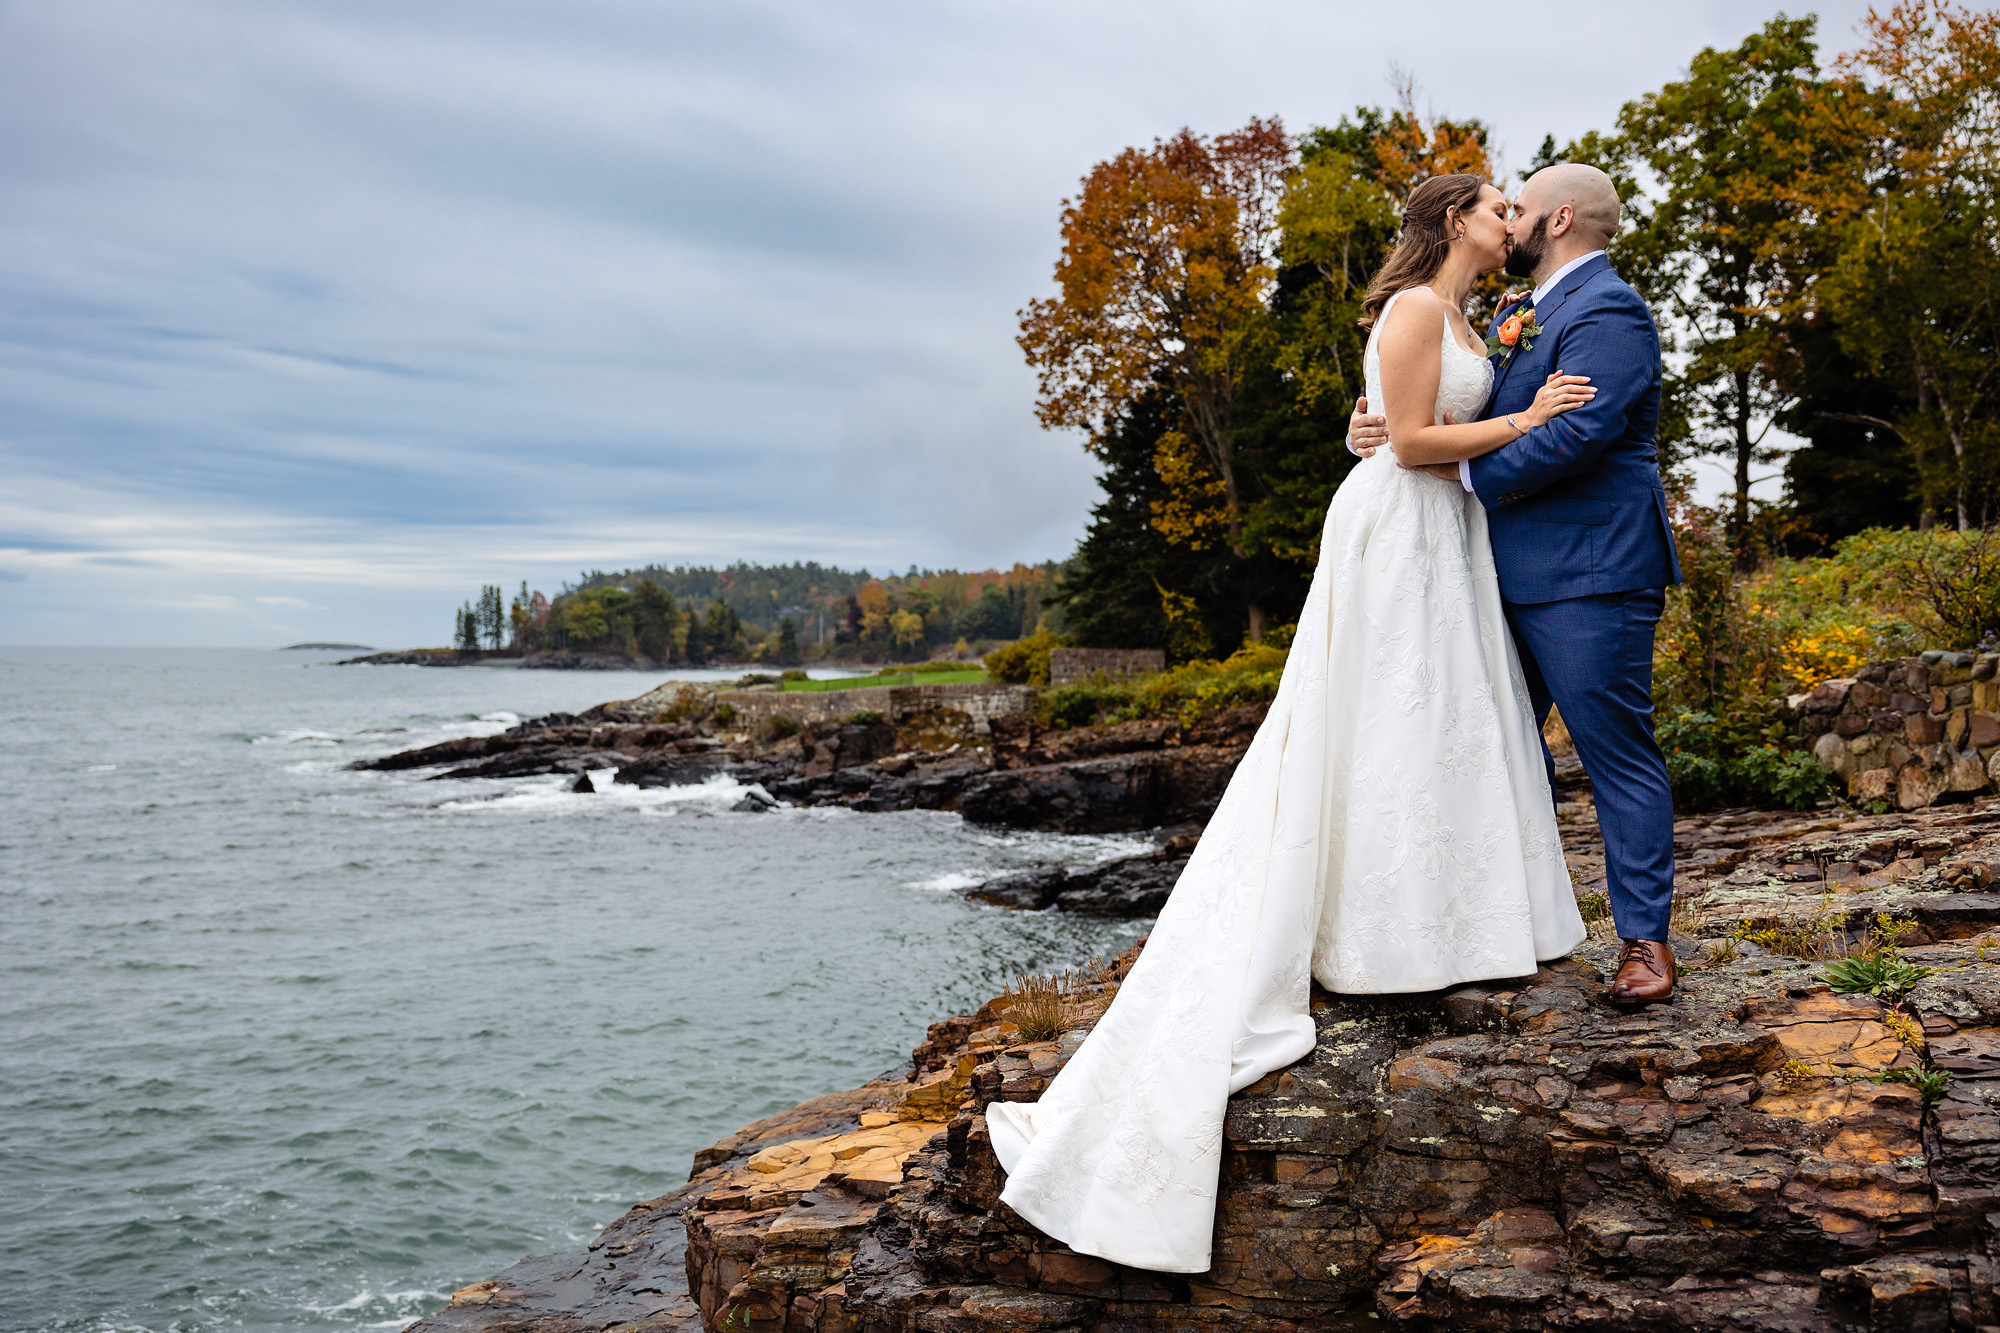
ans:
(653, 621)
(788, 643)
(696, 647)
(492, 616)
(725, 631)
(465, 637)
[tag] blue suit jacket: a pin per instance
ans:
(1575, 506)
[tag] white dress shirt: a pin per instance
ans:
(1548, 285)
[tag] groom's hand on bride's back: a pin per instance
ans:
(1366, 433)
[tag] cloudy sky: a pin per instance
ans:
(316, 316)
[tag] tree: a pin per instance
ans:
(654, 619)
(695, 647)
(1724, 143)
(906, 630)
(1905, 211)
(491, 616)
(1167, 260)
(788, 644)
(465, 636)
(724, 631)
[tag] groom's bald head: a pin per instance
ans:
(1563, 212)
(1591, 196)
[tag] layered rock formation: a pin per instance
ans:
(1763, 1154)
(1132, 776)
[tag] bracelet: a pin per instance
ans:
(1518, 432)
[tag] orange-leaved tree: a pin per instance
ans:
(1166, 269)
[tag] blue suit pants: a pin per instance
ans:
(1592, 657)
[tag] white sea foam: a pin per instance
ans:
(503, 717)
(949, 882)
(297, 736)
(550, 794)
(102, 768)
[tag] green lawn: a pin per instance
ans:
(968, 675)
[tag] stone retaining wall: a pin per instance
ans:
(1910, 732)
(1070, 665)
(982, 702)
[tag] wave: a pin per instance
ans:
(951, 881)
(550, 794)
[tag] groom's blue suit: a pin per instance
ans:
(1584, 553)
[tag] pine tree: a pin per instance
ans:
(466, 637)
(788, 643)
(492, 625)
(696, 650)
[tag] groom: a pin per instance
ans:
(1580, 537)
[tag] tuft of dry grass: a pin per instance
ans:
(1042, 1005)
(1035, 1006)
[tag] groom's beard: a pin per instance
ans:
(1528, 251)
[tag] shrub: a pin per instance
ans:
(783, 725)
(1085, 702)
(725, 713)
(1024, 661)
(1958, 574)
(1740, 761)
(795, 673)
(862, 717)
(689, 702)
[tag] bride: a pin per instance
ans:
(1390, 827)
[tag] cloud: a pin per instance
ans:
(394, 300)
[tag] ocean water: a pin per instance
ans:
(284, 1046)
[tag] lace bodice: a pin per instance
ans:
(1464, 378)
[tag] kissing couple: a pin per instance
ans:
(1392, 827)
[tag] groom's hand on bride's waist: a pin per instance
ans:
(1366, 433)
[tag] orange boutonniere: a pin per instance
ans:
(1517, 334)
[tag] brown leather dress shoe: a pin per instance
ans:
(1645, 973)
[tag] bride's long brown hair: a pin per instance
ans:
(1426, 239)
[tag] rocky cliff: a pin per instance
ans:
(1763, 1154)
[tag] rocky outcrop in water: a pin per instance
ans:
(1763, 1154)
(1118, 778)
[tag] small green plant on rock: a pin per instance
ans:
(1814, 937)
(1886, 976)
(1928, 1081)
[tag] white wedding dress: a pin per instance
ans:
(1389, 829)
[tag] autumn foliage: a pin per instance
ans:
(1819, 241)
